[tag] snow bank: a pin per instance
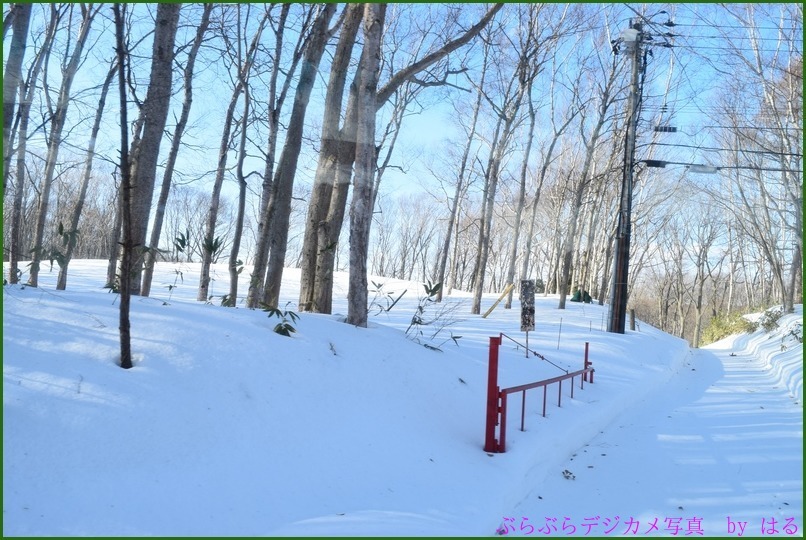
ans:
(780, 351)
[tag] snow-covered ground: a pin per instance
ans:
(225, 428)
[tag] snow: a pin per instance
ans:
(224, 428)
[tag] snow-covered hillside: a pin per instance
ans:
(224, 427)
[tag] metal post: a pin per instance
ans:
(527, 344)
(621, 262)
(490, 443)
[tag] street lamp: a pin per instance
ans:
(706, 169)
(691, 167)
(702, 169)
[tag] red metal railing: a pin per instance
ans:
(497, 398)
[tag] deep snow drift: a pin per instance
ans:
(225, 428)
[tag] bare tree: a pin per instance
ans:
(461, 180)
(57, 124)
(282, 188)
(760, 125)
(153, 115)
(70, 235)
(546, 35)
(593, 125)
(510, 90)
(127, 247)
(235, 265)
(276, 99)
(20, 14)
(176, 141)
(22, 120)
(330, 219)
(331, 143)
(365, 162)
(212, 243)
(705, 235)
(558, 129)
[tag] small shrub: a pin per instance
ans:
(724, 325)
(436, 319)
(796, 331)
(284, 327)
(383, 300)
(769, 320)
(114, 287)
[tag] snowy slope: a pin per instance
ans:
(226, 428)
(716, 452)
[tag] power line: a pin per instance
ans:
(715, 48)
(774, 128)
(743, 38)
(714, 149)
(738, 27)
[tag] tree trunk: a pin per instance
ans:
(283, 186)
(365, 163)
(61, 282)
(460, 182)
(159, 216)
(698, 306)
(232, 298)
(275, 103)
(513, 253)
(603, 292)
(12, 78)
(328, 156)
(329, 232)
(55, 141)
(569, 244)
(112, 281)
(488, 199)
(26, 99)
(211, 243)
(579, 192)
(499, 147)
(153, 115)
(125, 197)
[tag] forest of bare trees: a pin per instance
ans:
(467, 144)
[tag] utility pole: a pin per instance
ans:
(631, 38)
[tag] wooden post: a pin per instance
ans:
(506, 292)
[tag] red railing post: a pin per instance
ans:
(588, 363)
(502, 443)
(490, 443)
(523, 408)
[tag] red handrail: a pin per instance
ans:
(497, 398)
